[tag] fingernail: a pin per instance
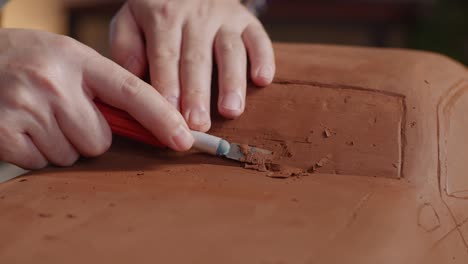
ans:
(199, 117)
(182, 138)
(266, 73)
(132, 65)
(231, 101)
(174, 101)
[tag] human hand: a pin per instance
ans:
(177, 38)
(47, 86)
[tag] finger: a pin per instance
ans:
(126, 42)
(195, 74)
(163, 57)
(49, 139)
(261, 54)
(125, 91)
(19, 149)
(232, 67)
(84, 126)
(163, 48)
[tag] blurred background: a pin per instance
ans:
(434, 25)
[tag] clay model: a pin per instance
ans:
(377, 139)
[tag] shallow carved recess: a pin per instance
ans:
(358, 131)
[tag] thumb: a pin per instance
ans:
(126, 42)
(116, 86)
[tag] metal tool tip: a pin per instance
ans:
(223, 148)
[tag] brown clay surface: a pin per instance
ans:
(360, 129)
(383, 131)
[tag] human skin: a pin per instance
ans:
(48, 83)
(178, 40)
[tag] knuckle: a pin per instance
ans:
(195, 93)
(166, 86)
(131, 87)
(163, 12)
(172, 119)
(41, 74)
(5, 144)
(226, 46)
(66, 43)
(14, 150)
(46, 83)
(23, 100)
(230, 42)
(167, 9)
(196, 57)
(98, 147)
(4, 134)
(170, 53)
(38, 63)
(29, 159)
(67, 159)
(255, 25)
(34, 163)
(204, 10)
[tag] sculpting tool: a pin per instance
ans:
(220, 147)
(124, 125)
(10, 171)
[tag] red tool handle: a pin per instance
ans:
(123, 124)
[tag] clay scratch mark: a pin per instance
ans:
(456, 228)
(444, 100)
(443, 103)
(335, 86)
(291, 141)
(403, 140)
(439, 241)
(428, 219)
(334, 234)
(358, 208)
(462, 195)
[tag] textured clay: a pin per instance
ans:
(381, 135)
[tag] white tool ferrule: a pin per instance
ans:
(210, 144)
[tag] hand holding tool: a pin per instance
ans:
(124, 125)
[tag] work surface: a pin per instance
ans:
(391, 190)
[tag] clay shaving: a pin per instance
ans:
(265, 163)
(256, 158)
(321, 163)
(327, 133)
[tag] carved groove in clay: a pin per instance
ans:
(428, 219)
(336, 86)
(444, 116)
(452, 152)
(358, 88)
(361, 129)
(456, 229)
